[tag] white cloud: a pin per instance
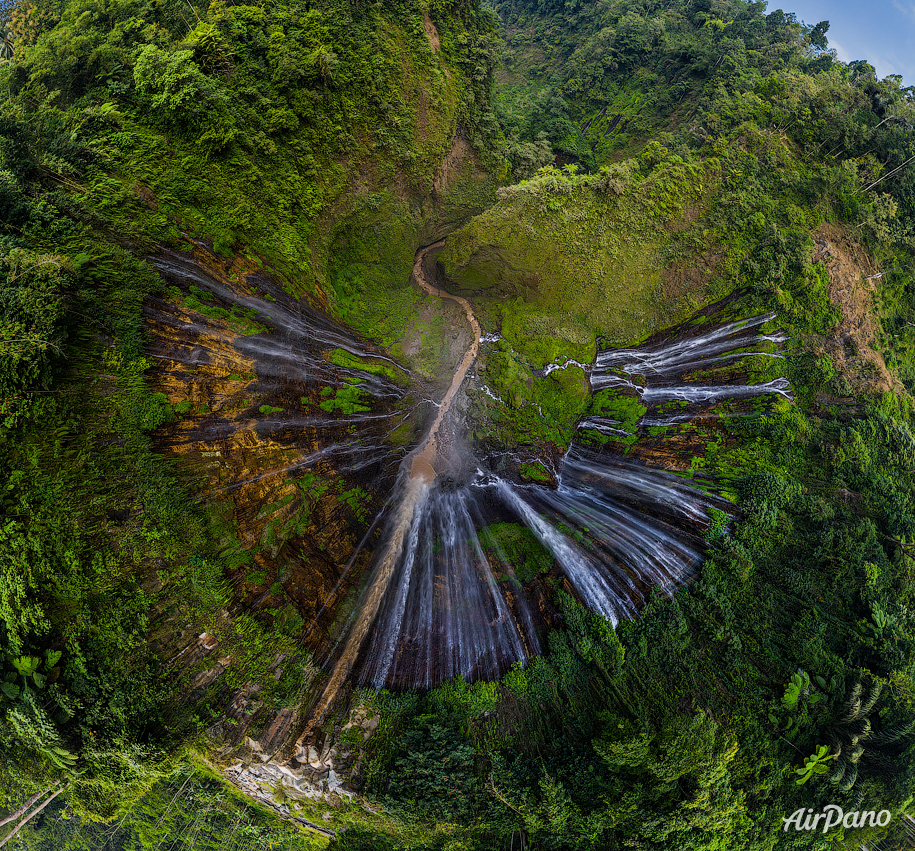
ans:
(908, 11)
(841, 52)
(885, 61)
(883, 67)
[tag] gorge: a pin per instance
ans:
(440, 425)
(440, 597)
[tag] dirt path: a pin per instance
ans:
(424, 462)
(422, 474)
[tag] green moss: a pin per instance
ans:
(403, 434)
(423, 346)
(510, 378)
(538, 408)
(343, 358)
(577, 255)
(534, 472)
(612, 404)
(239, 319)
(346, 400)
(591, 436)
(356, 499)
(519, 547)
(541, 337)
(563, 394)
(372, 260)
(276, 506)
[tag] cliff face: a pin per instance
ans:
(264, 422)
(287, 419)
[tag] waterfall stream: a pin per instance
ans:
(442, 595)
(435, 605)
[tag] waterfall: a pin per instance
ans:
(448, 616)
(439, 598)
(614, 527)
(663, 371)
(415, 494)
(664, 360)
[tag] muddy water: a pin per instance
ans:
(424, 461)
(422, 474)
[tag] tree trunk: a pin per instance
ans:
(14, 815)
(29, 817)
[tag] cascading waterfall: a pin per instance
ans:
(286, 417)
(615, 528)
(448, 616)
(667, 360)
(290, 353)
(660, 372)
(415, 494)
(437, 600)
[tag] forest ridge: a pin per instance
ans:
(722, 154)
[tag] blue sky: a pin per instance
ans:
(880, 31)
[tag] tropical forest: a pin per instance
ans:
(453, 425)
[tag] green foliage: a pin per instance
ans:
(189, 807)
(181, 96)
(695, 754)
(311, 139)
(516, 546)
(239, 319)
(593, 636)
(459, 701)
(814, 764)
(347, 360)
(534, 472)
(718, 523)
(434, 779)
(509, 252)
(32, 324)
(537, 409)
(794, 690)
(346, 400)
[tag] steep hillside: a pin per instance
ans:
(642, 577)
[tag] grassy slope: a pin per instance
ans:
(562, 259)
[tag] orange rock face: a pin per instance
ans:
(293, 471)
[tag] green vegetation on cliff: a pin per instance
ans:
(690, 727)
(563, 257)
(700, 148)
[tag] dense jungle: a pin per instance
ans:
(439, 424)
